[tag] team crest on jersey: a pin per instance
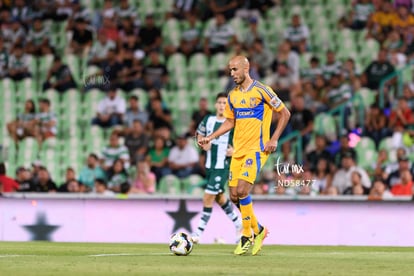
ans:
(253, 102)
(217, 178)
(246, 174)
(249, 163)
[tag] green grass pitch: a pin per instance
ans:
(43, 258)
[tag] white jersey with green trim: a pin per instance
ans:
(216, 157)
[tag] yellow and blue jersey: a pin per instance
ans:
(252, 111)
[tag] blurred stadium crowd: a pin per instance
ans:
(123, 85)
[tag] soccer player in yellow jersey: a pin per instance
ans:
(249, 111)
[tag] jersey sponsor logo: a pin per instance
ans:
(243, 102)
(246, 174)
(275, 102)
(245, 113)
(249, 163)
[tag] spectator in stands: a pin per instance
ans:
(343, 177)
(313, 100)
(155, 73)
(47, 122)
(344, 149)
(403, 20)
(219, 36)
(252, 34)
(190, 36)
(117, 176)
(356, 187)
(405, 187)
(393, 42)
(111, 110)
(395, 176)
(379, 191)
(408, 94)
(320, 152)
(82, 38)
(297, 35)
(285, 83)
(261, 57)
(145, 180)
(101, 188)
(183, 8)
(70, 176)
(110, 69)
(21, 12)
(314, 70)
(59, 77)
(137, 142)
(100, 48)
(332, 65)
(360, 14)
(377, 70)
(322, 176)
(338, 93)
(376, 124)
(350, 73)
(183, 158)
(4, 59)
(133, 113)
(150, 35)
(286, 55)
(90, 172)
(24, 179)
(13, 34)
(125, 10)
(228, 8)
(159, 117)
(199, 114)
(38, 39)
(45, 183)
(73, 186)
(113, 152)
(400, 119)
(109, 27)
(379, 165)
(380, 22)
(18, 67)
(409, 44)
(107, 11)
(25, 123)
(158, 158)
(7, 184)
(301, 119)
(132, 74)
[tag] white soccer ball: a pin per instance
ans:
(180, 244)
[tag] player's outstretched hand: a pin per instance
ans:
(201, 140)
(270, 146)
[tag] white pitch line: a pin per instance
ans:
(129, 254)
(15, 255)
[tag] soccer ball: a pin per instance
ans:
(180, 244)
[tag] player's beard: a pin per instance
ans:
(242, 79)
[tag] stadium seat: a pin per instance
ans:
(325, 124)
(191, 183)
(169, 184)
(366, 157)
(365, 143)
